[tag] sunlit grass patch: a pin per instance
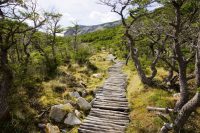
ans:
(141, 96)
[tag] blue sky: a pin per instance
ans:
(85, 12)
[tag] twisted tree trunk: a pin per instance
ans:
(185, 112)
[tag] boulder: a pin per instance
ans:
(72, 120)
(71, 102)
(52, 129)
(83, 104)
(58, 112)
(74, 94)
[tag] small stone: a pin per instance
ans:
(72, 120)
(78, 114)
(92, 102)
(52, 129)
(74, 94)
(84, 94)
(83, 104)
(58, 112)
(97, 75)
(41, 126)
(63, 130)
(111, 57)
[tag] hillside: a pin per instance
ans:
(88, 29)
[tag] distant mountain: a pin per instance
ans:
(88, 29)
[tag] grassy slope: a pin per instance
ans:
(27, 104)
(141, 96)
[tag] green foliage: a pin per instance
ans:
(81, 56)
(110, 39)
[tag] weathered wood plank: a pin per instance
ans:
(109, 112)
(118, 122)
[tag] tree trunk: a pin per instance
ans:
(183, 86)
(5, 84)
(128, 57)
(141, 73)
(186, 111)
(135, 58)
(27, 60)
(181, 62)
(197, 63)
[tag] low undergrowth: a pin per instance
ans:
(141, 96)
(27, 104)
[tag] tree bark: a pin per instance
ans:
(197, 63)
(127, 58)
(186, 111)
(180, 58)
(6, 83)
(141, 73)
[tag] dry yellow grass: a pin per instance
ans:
(140, 97)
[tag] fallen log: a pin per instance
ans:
(164, 110)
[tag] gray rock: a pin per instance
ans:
(74, 94)
(58, 112)
(72, 120)
(63, 130)
(41, 126)
(92, 102)
(84, 94)
(97, 75)
(52, 129)
(83, 104)
(78, 114)
(111, 57)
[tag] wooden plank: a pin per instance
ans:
(117, 117)
(110, 104)
(104, 125)
(109, 101)
(118, 122)
(98, 128)
(109, 111)
(113, 99)
(111, 108)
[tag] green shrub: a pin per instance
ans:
(81, 56)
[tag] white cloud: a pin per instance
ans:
(103, 17)
(85, 12)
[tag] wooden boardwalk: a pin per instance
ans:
(109, 113)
